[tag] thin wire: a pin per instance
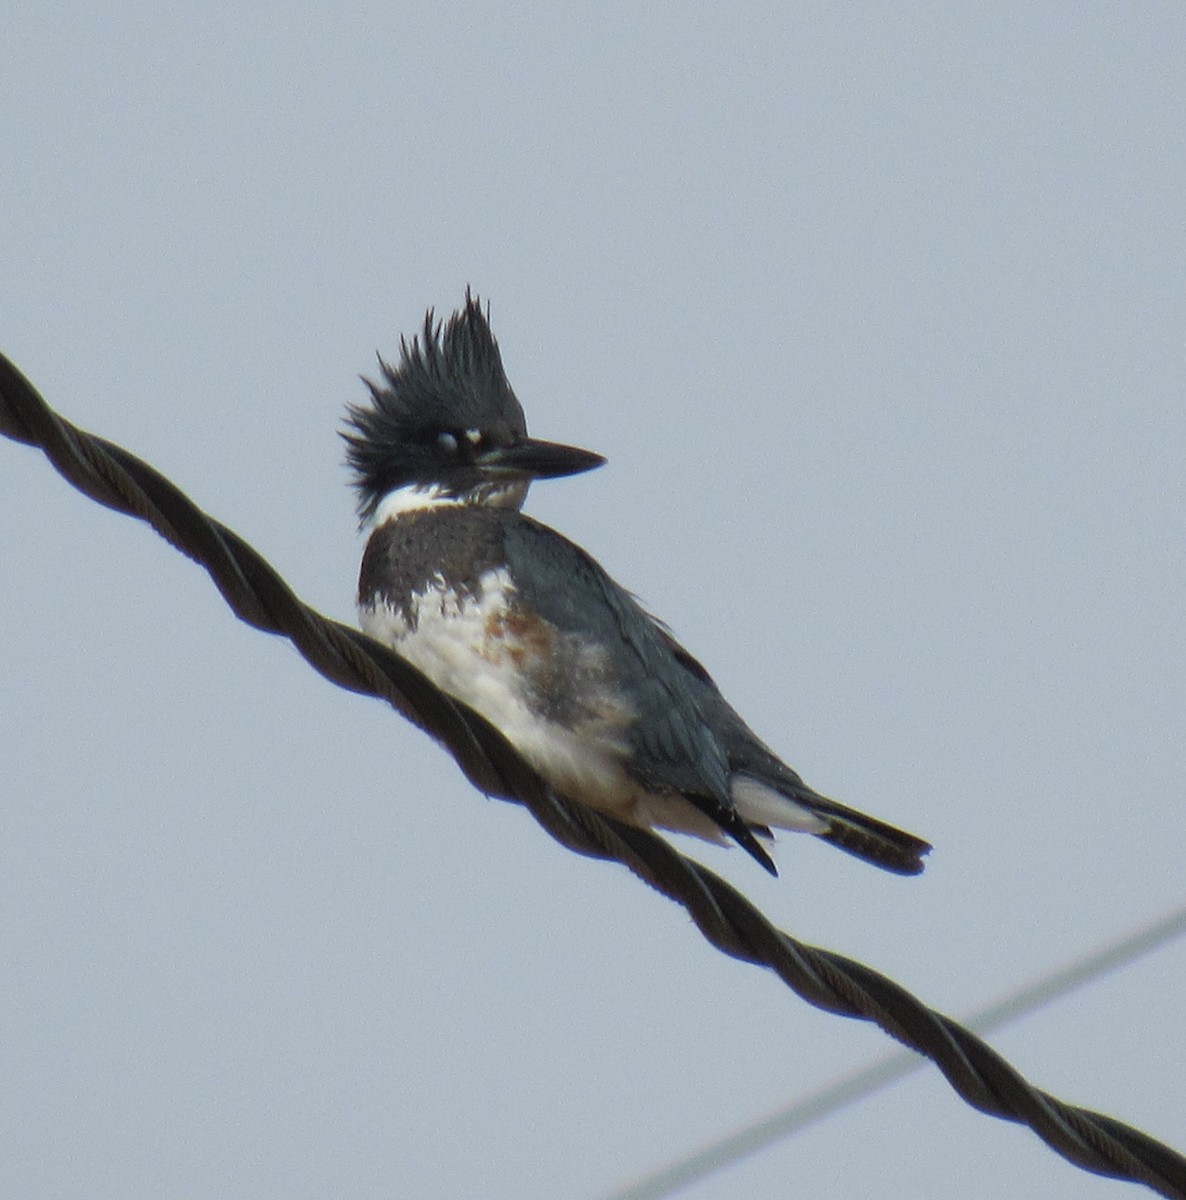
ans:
(793, 1117)
(257, 594)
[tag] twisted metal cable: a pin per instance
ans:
(113, 477)
(726, 1150)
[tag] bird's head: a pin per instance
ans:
(446, 420)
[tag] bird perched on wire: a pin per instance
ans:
(513, 619)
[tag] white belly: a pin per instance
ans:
(463, 648)
(455, 643)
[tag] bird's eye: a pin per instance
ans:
(447, 442)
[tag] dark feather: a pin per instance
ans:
(450, 378)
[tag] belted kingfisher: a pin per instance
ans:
(513, 619)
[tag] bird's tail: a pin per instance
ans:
(876, 842)
(784, 801)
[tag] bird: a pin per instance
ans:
(510, 617)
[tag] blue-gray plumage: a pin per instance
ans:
(518, 622)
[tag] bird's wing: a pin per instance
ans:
(686, 738)
(673, 743)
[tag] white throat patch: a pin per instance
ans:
(420, 497)
(415, 497)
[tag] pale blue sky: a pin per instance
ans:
(878, 315)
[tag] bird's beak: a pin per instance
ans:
(532, 459)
